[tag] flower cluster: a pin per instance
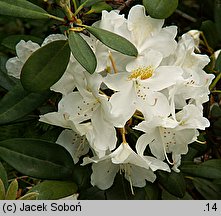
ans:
(159, 95)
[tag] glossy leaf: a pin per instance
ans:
(11, 193)
(22, 8)
(82, 52)
(173, 182)
(12, 40)
(18, 103)
(217, 16)
(160, 9)
(114, 41)
(210, 169)
(45, 66)
(207, 189)
(37, 158)
(51, 190)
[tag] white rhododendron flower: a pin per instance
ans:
(168, 136)
(141, 87)
(23, 51)
(159, 95)
(87, 104)
(136, 169)
(195, 83)
(77, 145)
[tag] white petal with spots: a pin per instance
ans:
(75, 144)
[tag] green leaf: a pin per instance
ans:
(216, 111)
(51, 190)
(22, 8)
(209, 30)
(82, 52)
(210, 169)
(99, 7)
(11, 193)
(12, 40)
(3, 60)
(82, 176)
(167, 196)
(151, 191)
(2, 190)
(18, 103)
(5, 81)
(45, 66)
(160, 9)
(15, 130)
(37, 158)
(3, 176)
(114, 41)
(92, 193)
(217, 17)
(173, 182)
(207, 189)
(217, 127)
(88, 3)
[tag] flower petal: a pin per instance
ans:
(75, 144)
(103, 174)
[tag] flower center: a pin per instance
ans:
(142, 73)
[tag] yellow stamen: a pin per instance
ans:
(113, 63)
(77, 29)
(142, 73)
